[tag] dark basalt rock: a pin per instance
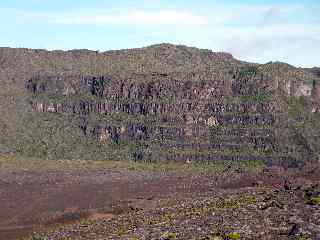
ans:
(176, 103)
(295, 230)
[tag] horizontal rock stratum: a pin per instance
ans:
(159, 103)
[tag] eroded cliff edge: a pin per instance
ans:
(159, 103)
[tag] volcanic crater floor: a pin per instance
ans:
(43, 199)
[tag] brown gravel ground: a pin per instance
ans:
(113, 200)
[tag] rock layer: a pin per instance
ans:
(167, 102)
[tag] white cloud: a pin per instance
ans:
(138, 17)
(292, 43)
(258, 33)
(252, 33)
(218, 15)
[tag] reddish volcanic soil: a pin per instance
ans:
(34, 199)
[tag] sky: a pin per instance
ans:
(251, 30)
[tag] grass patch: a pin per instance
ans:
(315, 200)
(27, 163)
(233, 236)
(257, 98)
(169, 236)
(248, 71)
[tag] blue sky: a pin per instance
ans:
(252, 30)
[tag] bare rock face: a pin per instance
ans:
(166, 103)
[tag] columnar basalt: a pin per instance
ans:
(168, 102)
(178, 120)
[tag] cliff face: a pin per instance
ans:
(160, 103)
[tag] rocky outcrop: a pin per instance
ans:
(168, 102)
(206, 121)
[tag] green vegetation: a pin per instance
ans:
(86, 222)
(170, 236)
(188, 87)
(50, 98)
(305, 127)
(297, 106)
(248, 71)
(258, 164)
(219, 205)
(168, 218)
(125, 229)
(256, 98)
(233, 236)
(12, 161)
(301, 237)
(315, 200)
